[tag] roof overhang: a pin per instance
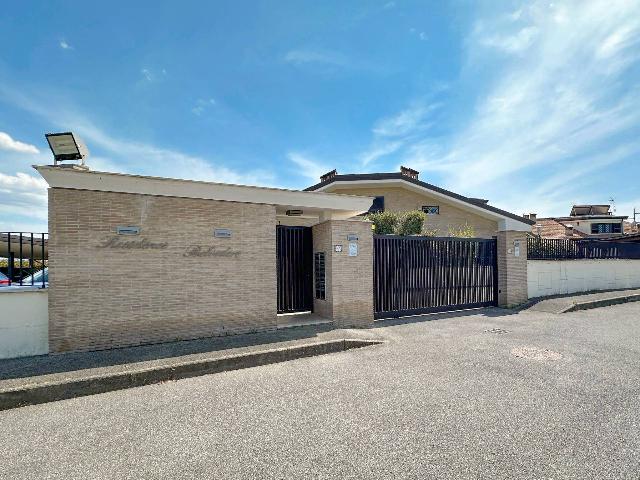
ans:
(316, 205)
(505, 222)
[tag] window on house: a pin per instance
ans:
(606, 228)
(319, 266)
(431, 209)
(378, 205)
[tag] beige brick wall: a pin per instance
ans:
(398, 199)
(112, 297)
(512, 270)
(349, 280)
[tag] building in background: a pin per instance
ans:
(403, 191)
(584, 221)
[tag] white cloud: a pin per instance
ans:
(130, 156)
(202, 105)
(138, 157)
(309, 168)
(405, 122)
(393, 133)
(515, 43)
(379, 150)
(23, 196)
(65, 45)
(8, 143)
(421, 35)
(146, 73)
(564, 104)
(309, 56)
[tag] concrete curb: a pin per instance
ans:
(44, 392)
(601, 303)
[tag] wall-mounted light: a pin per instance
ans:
(294, 213)
(66, 146)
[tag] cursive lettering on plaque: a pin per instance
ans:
(199, 251)
(141, 244)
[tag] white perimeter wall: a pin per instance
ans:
(552, 277)
(24, 322)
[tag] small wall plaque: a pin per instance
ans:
(222, 233)
(122, 230)
(337, 248)
(352, 237)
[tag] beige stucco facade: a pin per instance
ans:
(400, 199)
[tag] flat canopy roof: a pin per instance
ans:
(327, 205)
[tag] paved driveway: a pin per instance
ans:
(454, 397)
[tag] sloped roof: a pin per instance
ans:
(552, 228)
(631, 228)
(476, 202)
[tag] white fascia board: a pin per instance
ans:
(504, 222)
(58, 177)
(509, 224)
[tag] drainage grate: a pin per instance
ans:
(499, 331)
(535, 353)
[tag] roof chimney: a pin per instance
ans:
(328, 176)
(409, 172)
(533, 216)
(568, 230)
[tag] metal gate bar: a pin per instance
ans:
(294, 251)
(414, 275)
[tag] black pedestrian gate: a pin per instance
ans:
(294, 246)
(413, 275)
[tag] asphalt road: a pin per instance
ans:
(555, 396)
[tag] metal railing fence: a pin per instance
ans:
(24, 257)
(566, 249)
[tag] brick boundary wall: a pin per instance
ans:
(349, 280)
(194, 286)
(512, 270)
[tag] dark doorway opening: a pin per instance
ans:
(294, 246)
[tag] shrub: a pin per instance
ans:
(464, 231)
(430, 231)
(410, 223)
(384, 223)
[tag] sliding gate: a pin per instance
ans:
(413, 275)
(294, 256)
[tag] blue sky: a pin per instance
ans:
(533, 105)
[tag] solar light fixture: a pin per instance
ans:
(66, 146)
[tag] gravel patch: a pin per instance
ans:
(535, 353)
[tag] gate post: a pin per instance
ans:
(512, 268)
(348, 254)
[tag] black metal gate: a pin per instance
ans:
(294, 247)
(413, 275)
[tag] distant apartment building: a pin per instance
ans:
(584, 221)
